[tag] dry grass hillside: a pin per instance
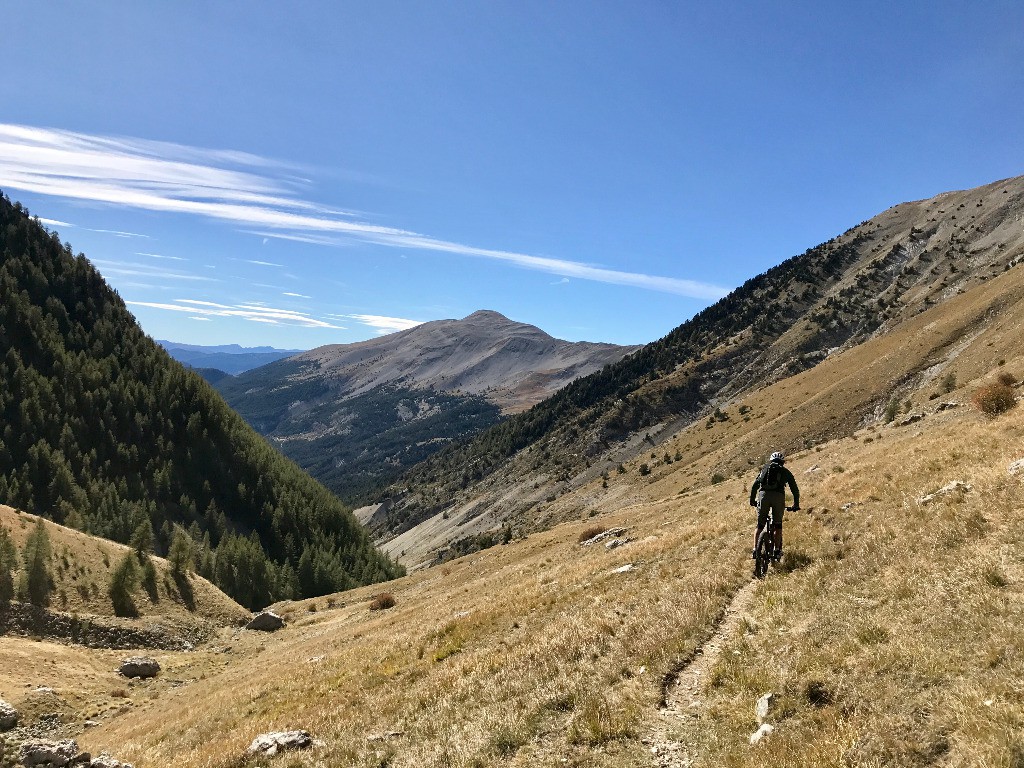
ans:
(886, 278)
(915, 367)
(890, 636)
(81, 566)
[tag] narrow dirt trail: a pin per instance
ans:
(684, 691)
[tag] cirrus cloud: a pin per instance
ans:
(240, 188)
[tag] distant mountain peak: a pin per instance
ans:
(487, 314)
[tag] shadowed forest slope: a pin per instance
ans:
(104, 432)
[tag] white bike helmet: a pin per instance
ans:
(778, 457)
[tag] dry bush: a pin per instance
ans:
(1007, 378)
(993, 399)
(382, 601)
(590, 532)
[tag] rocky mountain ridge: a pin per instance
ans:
(863, 284)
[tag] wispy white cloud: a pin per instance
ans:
(161, 256)
(385, 324)
(296, 295)
(237, 187)
(54, 222)
(263, 263)
(119, 233)
(196, 308)
(129, 269)
(204, 319)
(563, 281)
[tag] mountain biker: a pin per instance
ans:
(769, 493)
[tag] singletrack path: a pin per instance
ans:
(683, 700)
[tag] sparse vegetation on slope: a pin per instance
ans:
(102, 431)
(862, 284)
(887, 635)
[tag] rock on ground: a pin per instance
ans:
(139, 666)
(266, 621)
(611, 533)
(760, 733)
(1016, 467)
(103, 760)
(52, 753)
(280, 741)
(8, 716)
(947, 490)
(764, 706)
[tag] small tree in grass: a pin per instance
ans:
(8, 562)
(180, 554)
(36, 579)
(123, 581)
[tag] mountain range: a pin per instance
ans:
(356, 415)
(227, 358)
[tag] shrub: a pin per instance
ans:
(382, 601)
(1007, 378)
(645, 469)
(993, 399)
(891, 410)
(590, 532)
(717, 478)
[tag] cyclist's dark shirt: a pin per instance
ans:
(787, 479)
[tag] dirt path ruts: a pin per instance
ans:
(683, 691)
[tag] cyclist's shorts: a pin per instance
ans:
(773, 500)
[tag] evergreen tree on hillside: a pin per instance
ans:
(101, 429)
(36, 578)
(8, 563)
(124, 579)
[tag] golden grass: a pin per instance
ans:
(885, 632)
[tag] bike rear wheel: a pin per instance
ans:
(762, 553)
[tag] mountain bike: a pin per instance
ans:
(764, 549)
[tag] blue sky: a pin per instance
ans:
(298, 174)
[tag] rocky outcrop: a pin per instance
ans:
(8, 716)
(52, 754)
(280, 741)
(139, 666)
(266, 621)
(611, 533)
(93, 631)
(103, 760)
(64, 753)
(955, 488)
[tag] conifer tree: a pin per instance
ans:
(180, 554)
(8, 562)
(123, 581)
(36, 579)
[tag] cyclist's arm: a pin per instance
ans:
(795, 490)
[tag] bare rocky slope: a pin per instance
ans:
(355, 415)
(914, 258)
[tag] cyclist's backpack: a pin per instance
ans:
(772, 478)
